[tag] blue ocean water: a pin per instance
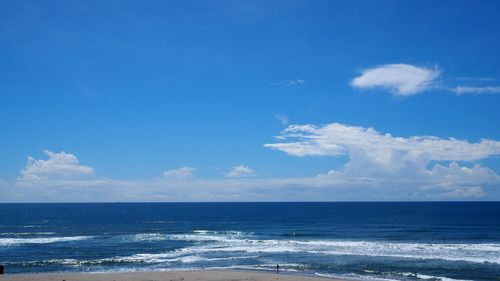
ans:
(374, 241)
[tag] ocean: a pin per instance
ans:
(368, 241)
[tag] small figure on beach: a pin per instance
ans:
(277, 268)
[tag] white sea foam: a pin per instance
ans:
(25, 233)
(212, 246)
(352, 277)
(430, 277)
(181, 256)
(477, 253)
(64, 261)
(149, 237)
(240, 242)
(42, 240)
(140, 237)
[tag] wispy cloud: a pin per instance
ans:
(240, 171)
(462, 90)
(180, 173)
(282, 118)
(472, 78)
(400, 79)
(289, 83)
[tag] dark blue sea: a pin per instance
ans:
(368, 241)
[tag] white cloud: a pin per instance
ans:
(464, 192)
(60, 165)
(240, 171)
(380, 167)
(462, 90)
(337, 139)
(289, 83)
(384, 158)
(454, 173)
(181, 173)
(401, 79)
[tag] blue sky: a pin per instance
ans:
(249, 100)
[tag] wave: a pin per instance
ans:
(180, 256)
(228, 232)
(412, 276)
(138, 237)
(196, 235)
(476, 253)
(25, 233)
(430, 277)
(148, 237)
(135, 259)
(203, 248)
(246, 243)
(352, 277)
(40, 240)
(201, 231)
(209, 246)
(202, 242)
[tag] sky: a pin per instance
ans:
(106, 101)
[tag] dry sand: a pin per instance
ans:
(201, 275)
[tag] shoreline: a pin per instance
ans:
(174, 275)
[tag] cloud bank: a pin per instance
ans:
(400, 79)
(379, 167)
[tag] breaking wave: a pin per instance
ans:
(246, 243)
(42, 240)
(246, 251)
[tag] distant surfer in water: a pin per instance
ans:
(277, 269)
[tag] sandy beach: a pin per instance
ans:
(201, 275)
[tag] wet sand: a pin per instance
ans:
(200, 275)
